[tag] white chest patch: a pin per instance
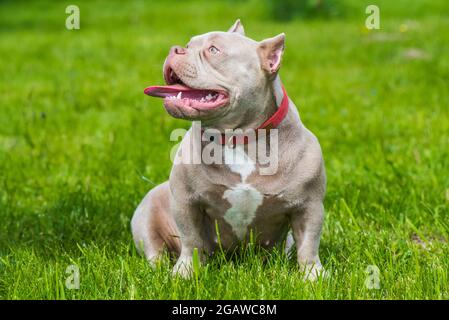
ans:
(238, 162)
(244, 199)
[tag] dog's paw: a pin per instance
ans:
(313, 272)
(183, 268)
(154, 261)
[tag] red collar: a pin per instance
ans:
(279, 115)
(271, 122)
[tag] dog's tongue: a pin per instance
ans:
(166, 91)
(180, 96)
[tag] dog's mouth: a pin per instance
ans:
(177, 94)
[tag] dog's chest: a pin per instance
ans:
(243, 198)
(239, 199)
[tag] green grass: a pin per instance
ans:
(80, 145)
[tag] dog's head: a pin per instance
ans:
(219, 77)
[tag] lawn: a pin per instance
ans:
(80, 145)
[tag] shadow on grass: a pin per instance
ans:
(77, 218)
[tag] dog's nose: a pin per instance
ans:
(177, 50)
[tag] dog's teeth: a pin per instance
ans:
(209, 96)
(179, 96)
(202, 99)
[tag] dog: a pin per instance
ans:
(227, 81)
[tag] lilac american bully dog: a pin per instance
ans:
(229, 81)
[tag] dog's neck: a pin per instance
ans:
(271, 103)
(277, 90)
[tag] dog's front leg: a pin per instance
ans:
(189, 220)
(306, 227)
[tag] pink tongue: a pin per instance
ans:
(165, 91)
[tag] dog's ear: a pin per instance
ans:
(270, 53)
(237, 27)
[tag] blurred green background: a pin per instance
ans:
(80, 145)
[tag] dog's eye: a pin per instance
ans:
(213, 50)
